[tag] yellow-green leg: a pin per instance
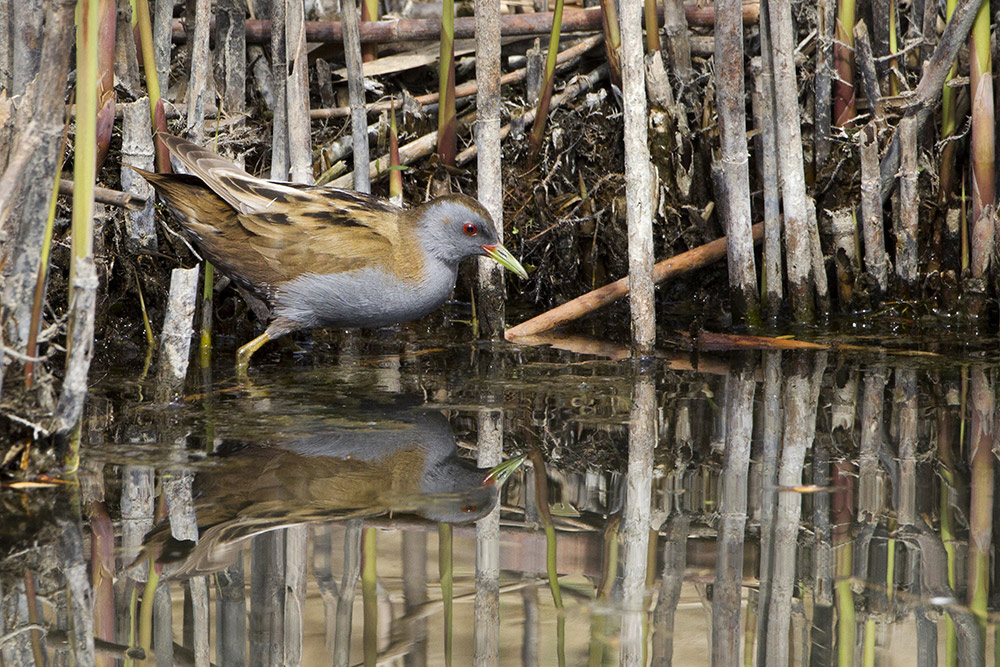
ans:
(245, 352)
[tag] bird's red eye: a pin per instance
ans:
(470, 229)
(468, 509)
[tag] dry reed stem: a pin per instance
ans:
(798, 239)
(730, 93)
(638, 181)
(490, 296)
(356, 91)
(827, 20)
(871, 211)
(907, 268)
(767, 164)
(198, 88)
(297, 95)
(279, 70)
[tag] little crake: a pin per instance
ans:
(319, 256)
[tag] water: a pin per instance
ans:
(771, 507)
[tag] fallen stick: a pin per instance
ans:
(466, 89)
(511, 25)
(107, 196)
(677, 265)
(427, 144)
(576, 87)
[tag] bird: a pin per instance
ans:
(395, 461)
(320, 256)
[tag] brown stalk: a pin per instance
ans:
(369, 12)
(396, 170)
(105, 77)
(652, 28)
(612, 40)
(844, 109)
(981, 89)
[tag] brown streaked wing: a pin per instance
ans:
(302, 241)
(239, 189)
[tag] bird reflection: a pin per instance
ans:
(406, 463)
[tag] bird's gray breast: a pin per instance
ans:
(367, 297)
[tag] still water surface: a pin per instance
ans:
(763, 507)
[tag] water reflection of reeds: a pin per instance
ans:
(797, 509)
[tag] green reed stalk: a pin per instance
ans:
(948, 124)
(446, 576)
(652, 28)
(146, 608)
(609, 571)
(85, 143)
(447, 140)
(538, 128)
(545, 517)
(844, 109)
(868, 644)
(551, 554)
(133, 603)
(157, 114)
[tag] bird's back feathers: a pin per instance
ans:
(264, 233)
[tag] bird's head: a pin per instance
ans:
(456, 226)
